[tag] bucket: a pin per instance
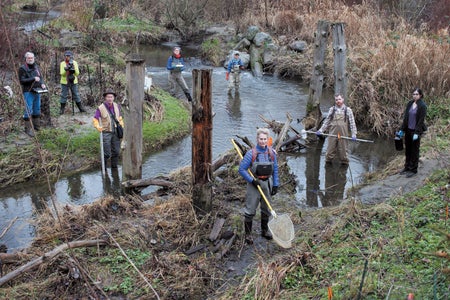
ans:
(398, 143)
(282, 230)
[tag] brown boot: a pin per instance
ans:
(28, 129)
(248, 232)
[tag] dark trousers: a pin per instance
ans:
(411, 151)
(111, 148)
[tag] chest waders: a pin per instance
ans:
(339, 127)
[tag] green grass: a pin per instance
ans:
(175, 124)
(397, 239)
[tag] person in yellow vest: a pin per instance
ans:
(69, 72)
(105, 118)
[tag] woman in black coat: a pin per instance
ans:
(412, 128)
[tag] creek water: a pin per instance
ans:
(317, 185)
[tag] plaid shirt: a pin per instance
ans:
(340, 110)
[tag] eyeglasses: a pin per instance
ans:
(415, 94)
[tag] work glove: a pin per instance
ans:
(319, 133)
(97, 125)
(274, 190)
(401, 133)
(256, 183)
(227, 76)
(415, 136)
(354, 138)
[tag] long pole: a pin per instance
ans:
(337, 136)
(102, 154)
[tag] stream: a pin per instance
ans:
(317, 185)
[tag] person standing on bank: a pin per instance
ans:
(262, 162)
(69, 72)
(339, 119)
(105, 122)
(412, 129)
(233, 74)
(32, 82)
(175, 65)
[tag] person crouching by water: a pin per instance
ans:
(262, 161)
(412, 128)
(175, 65)
(105, 122)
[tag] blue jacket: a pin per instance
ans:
(172, 62)
(234, 62)
(262, 156)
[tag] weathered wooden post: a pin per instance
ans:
(202, 140)
(340, 60)
(132, 155)
(313, 112)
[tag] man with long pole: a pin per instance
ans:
(340, 118)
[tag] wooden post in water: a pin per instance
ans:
(315, 88)
(340, 60)
(202, 140)
(132, 155)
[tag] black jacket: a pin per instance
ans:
(26, 77)
(420, 117)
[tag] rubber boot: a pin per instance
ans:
(62, 108)
(80, 107)
(28, 129)
(188, 96)
(265, 233)
(248, 232)
(36, 122)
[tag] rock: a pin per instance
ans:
(261, 39)
(255, 60)
(70, 39)
(251, 32)
(298, 46)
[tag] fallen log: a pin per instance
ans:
(166, 182)
(218, 224)
(143, 183)
(47, 256)
(226, 247)
(283, 133)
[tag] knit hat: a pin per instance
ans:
(68, 53)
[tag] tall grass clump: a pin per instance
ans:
(387, 58)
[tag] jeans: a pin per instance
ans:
(33, 104)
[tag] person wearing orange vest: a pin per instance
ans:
(262, 161)
(104, 122)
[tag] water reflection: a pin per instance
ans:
(312, 175)
(234, 106)
(111, 183)
(335, 181)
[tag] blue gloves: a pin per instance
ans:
(415, 136)
(319, 133)
(354, 138)
(400, 133)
